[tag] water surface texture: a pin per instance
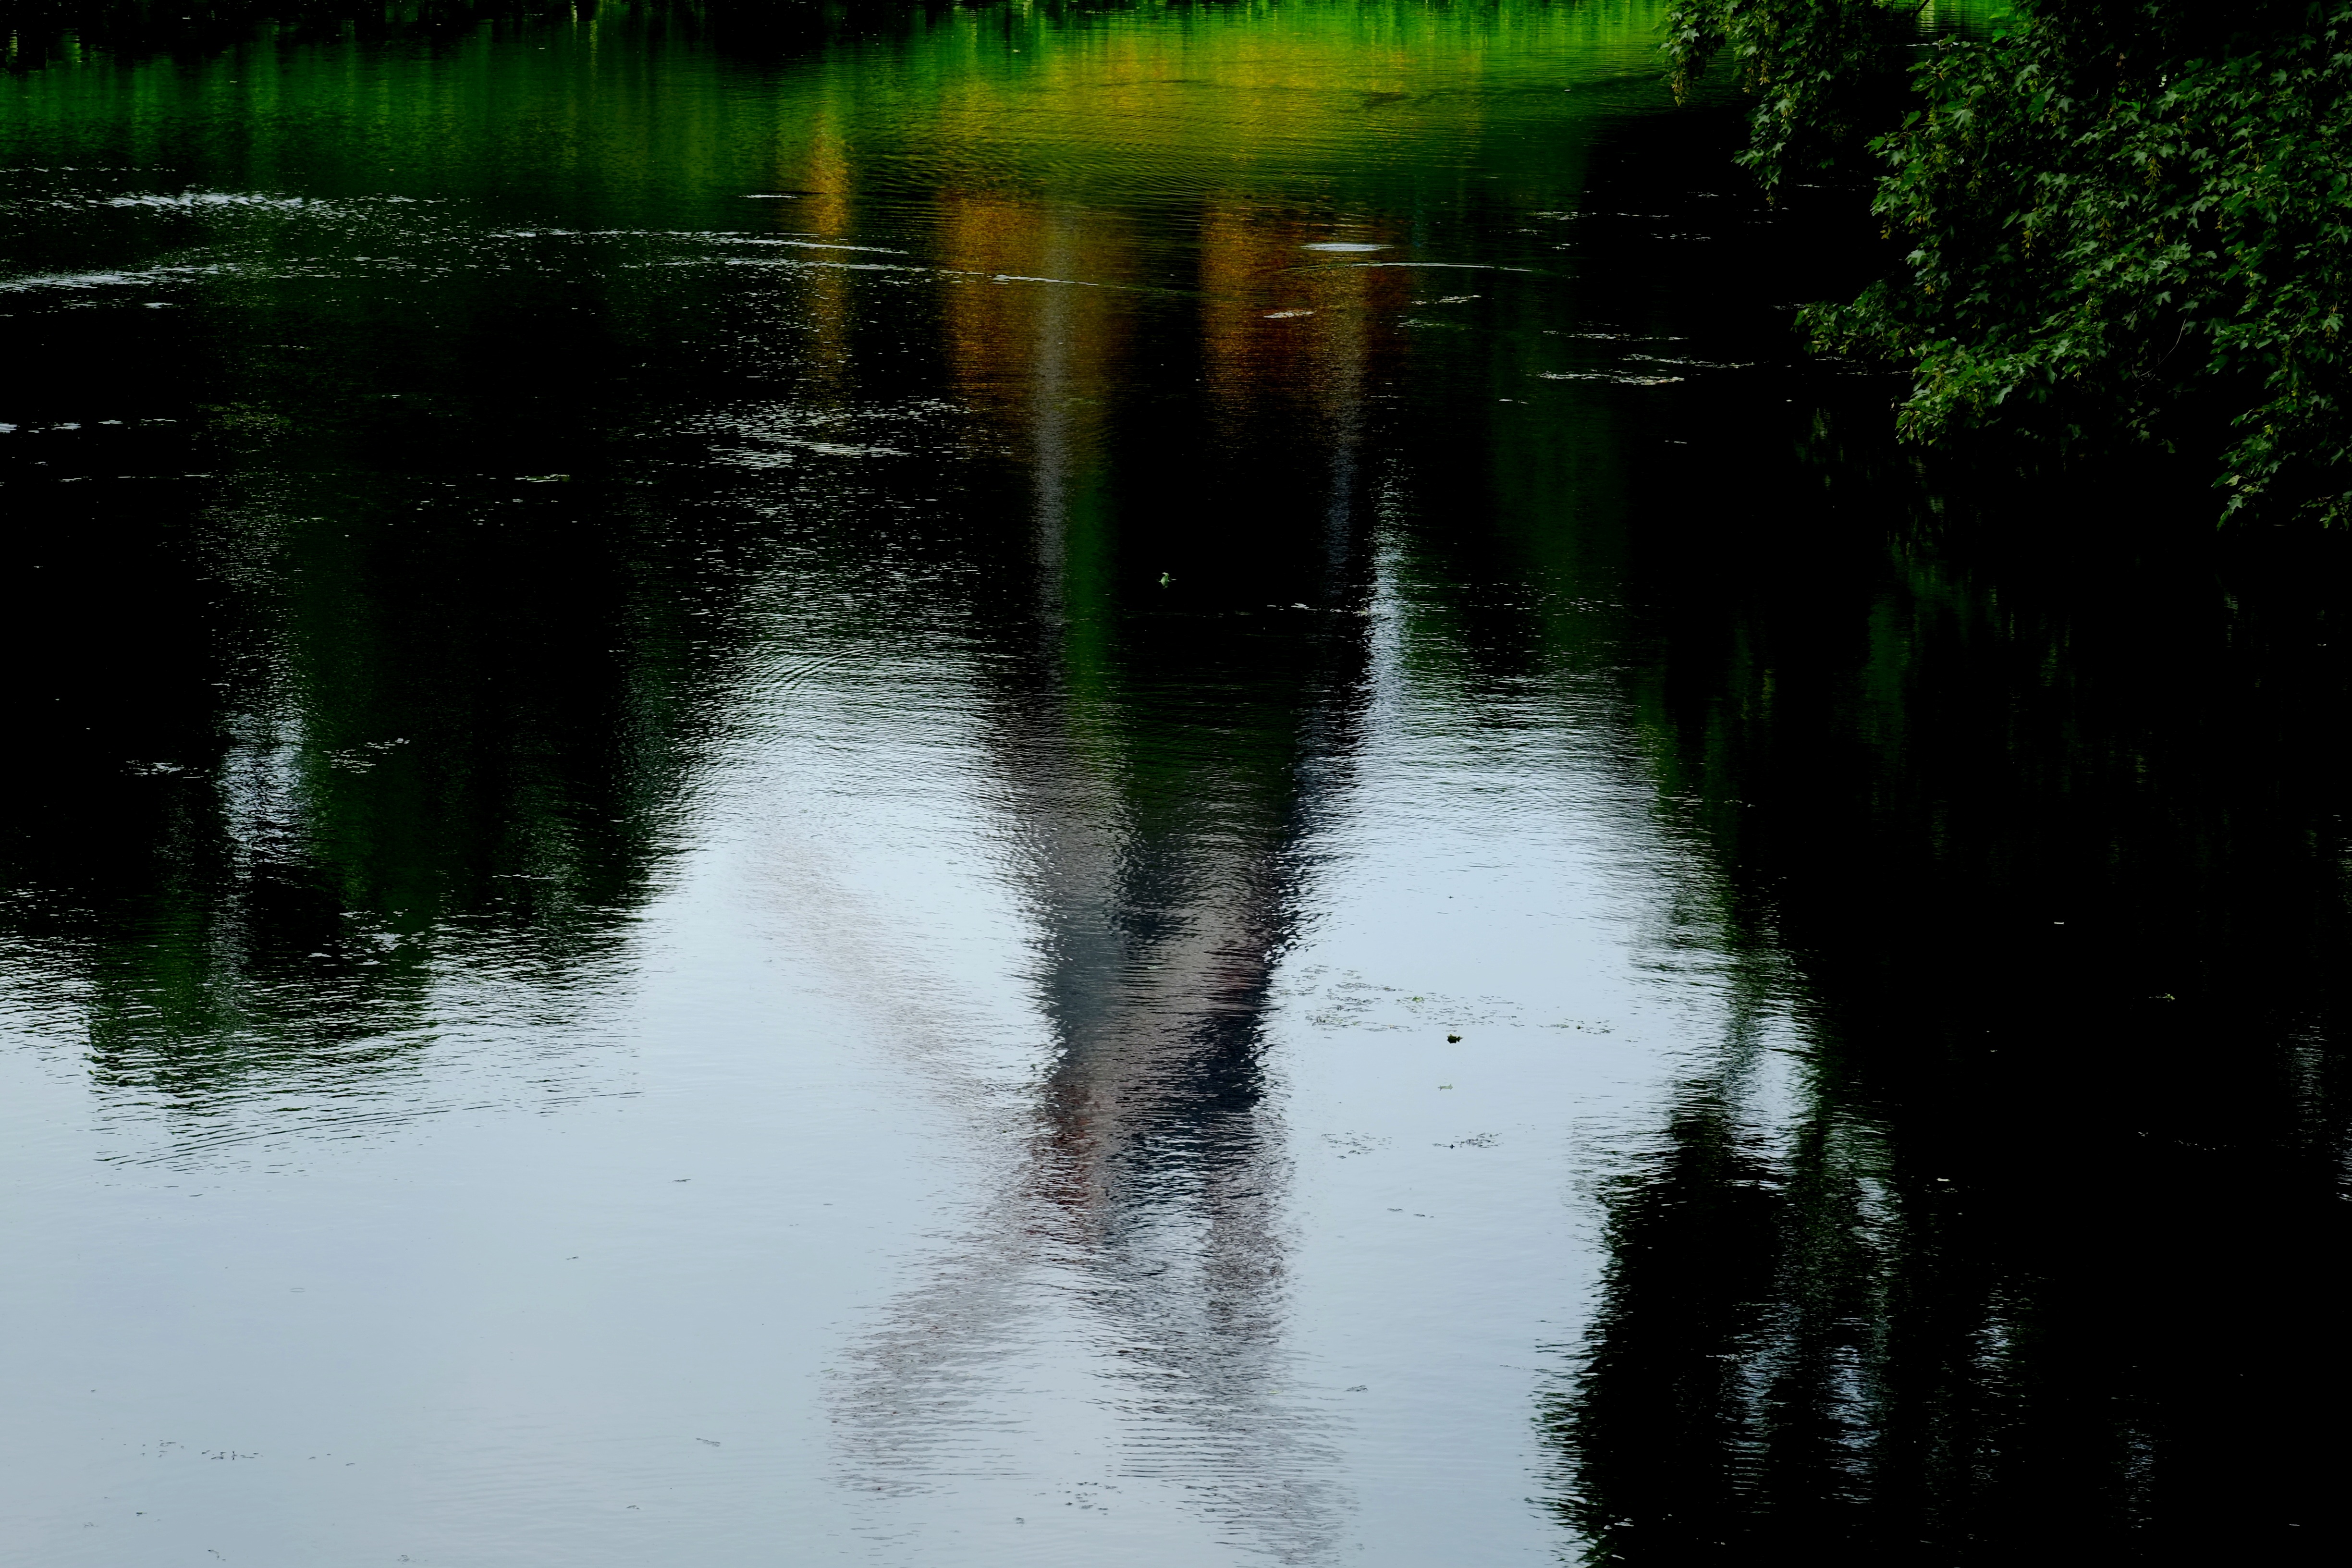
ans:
(1148, 786)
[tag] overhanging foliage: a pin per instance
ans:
(2122, 222)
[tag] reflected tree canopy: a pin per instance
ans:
(2047, 1254)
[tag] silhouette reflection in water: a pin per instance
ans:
(1167, 736)
(2039, 1247)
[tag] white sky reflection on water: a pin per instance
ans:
(927, 1056)
(798, 1279)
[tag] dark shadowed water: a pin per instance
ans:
(1023, 786)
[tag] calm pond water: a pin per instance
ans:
(1027, 785)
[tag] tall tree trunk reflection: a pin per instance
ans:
(1163, 747)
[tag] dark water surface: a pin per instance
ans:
(758, 767)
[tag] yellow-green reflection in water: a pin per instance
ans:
(617, 105)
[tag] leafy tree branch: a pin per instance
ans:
(2121, 222)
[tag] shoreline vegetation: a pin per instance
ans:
(2118, 224)
(2111, 228)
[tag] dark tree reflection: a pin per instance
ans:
(1173, 706)
(2048, 1258)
